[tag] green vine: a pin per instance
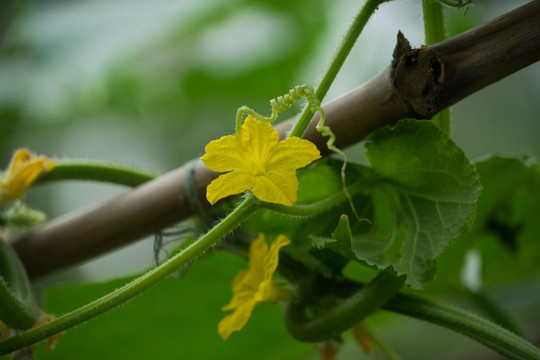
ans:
(434, 33)
(493, 336)
(97, 171)
(345, 314)
(343, 51)
(123, 294)
(319, 207)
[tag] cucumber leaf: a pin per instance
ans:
(424, 193)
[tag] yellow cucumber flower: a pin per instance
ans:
(255, 285)
(23, 170)
(255, 159)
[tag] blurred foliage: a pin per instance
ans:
(179, 76)
(195, 72)
(162, 323)
(153, 104)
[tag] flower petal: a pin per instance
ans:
(278, 186)
(23, 170)
(224, 154)
(232, 183)
(237, 320)
(19, 160)
(254, 285)
(258, 250)
(243, 290)
(26, 176)
(259, 137)
(293, 153)
(272, 257)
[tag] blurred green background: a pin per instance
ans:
(149, 83)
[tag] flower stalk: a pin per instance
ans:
(97, 171)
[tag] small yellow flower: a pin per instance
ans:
(255, 285)
(23, 170)
(255, 159)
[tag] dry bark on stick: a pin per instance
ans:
(418, 83)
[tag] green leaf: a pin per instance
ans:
(343, 231)
(506, 231)
(424, 192)
(339, 243)
(343, 242)
(318, 181)
(381, 244)
(434, 188)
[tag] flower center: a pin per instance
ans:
(259, 171)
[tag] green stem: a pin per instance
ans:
(343, 51)
(121, 295)
(493, 311)
(97, 171)
(346, 314)
(493, 336)
(434, 33)
(433, 21)
(319, 207)
(442, 120)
